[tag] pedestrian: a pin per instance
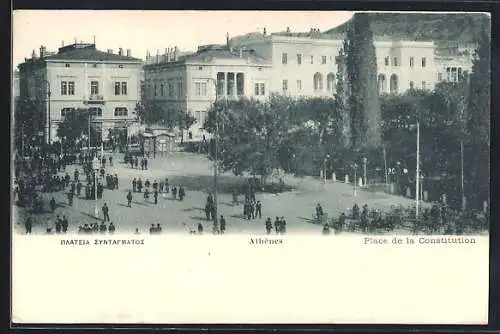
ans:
(75, 175)
(208, 211)
(167, 189)
(49, 225)
(235, 198)
(139, 185)
(282, 225)
(222, 224)
(152, 229)
(156, 196)
(78, 188)
(134, 185)
(161, 186)
(70, 198)
(136, 231)
(326, 229)
(58, 224)
(174, 192)
(182, 193)
(53, 204)
(103, 228)
(131, 161)
(269, 225)
(200, 228)
(258, 209)
(136, 162)
(73, 187)
(277, 225)
(147, 183)
(116, 181)
(155, 185)
(129, 199)
(158, 228)
(64, 224)
(252, 209)
(111, 161)
(105, 212)
(28, 224)
(142, 164)
(111, 228)
(146, 195)
(145, 164)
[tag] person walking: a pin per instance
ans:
(111, 161)
(282, 225)
(139, 185)
(258, 209)
(146, 195)
(136, 162)
(222, 224)
(115, 180)
(269, 225)
(200, 228)
(129, 199)
(158, 228)
(28, 224)
(49, 225)
(78, 188)
(134, 185)
(102, 228)
(53, 204)
(155, 194)
(64, 224)
(105, 211)
(111, 228)
(70, 198)
(182, 193)
(277, 225)
(145, 164)
(167, 186)
(174, 192)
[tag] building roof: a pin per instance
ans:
(87, 52)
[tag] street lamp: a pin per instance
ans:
(215, 165)
(355, 174)
(364, 171)
(48, 110)
(95, 167)
(324, 167)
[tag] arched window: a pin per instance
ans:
(382, 83)
(330, 82)
(394, 83)
(318, 81)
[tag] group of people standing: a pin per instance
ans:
(279, 225)
(96, 228)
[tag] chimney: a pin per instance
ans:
(110, 51)
(265, 32)
(241, 53)
(33, 54)
(62, 43)
(42, 51)
(129, 53)
(120, 52)
(288, 30)
(227, 39)
(176, 52)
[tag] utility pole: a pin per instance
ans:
(417, 178)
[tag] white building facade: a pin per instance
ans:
(193, 82)
(81, 77)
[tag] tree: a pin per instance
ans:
(75, 126)
(478, 120)
(341, 98)
(28, 121)
(363, 97)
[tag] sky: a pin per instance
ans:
(141, 31)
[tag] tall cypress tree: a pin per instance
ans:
(478, 120)
(341, 98)
(363, 99)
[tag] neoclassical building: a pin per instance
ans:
(79, 76)
(194, 81)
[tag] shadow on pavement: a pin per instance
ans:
(198, 218)
(193, 209)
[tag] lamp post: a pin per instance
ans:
(398, 172)
(49, 92)
(95, 167)
(216, 154)
(324, 167)
(364, 171)
(355, 175)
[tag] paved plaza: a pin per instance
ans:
(194, 172)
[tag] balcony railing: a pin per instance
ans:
(94, 99)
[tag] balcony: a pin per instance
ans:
(94, 99)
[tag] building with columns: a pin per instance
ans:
(79, 76)
(192, 82)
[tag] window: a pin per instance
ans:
(395, 62)
(124, 88)
(117, 88)
(318, 82)
(382, 84)
(284, 58)
(454, 76)
(299, 85)
(71, 88)
(94, 88)
(424, 85)
(394, 84)
(180, 91)
(155, 89)
(240, 84)
(448, 73)
(170, 89)
(311, 59)
(330, 82)
(64, 88)
(120, 111)
(440, 77)
(299, 59)
(259, 89)
(424, 62)
(412, 61)
(197, 116)
(460, 75)
(66, 111)
(200, 89)
(412, 85)
(67, 65)
(95, 111)
(221, 78)
(386, 61)
(323, 60)
(230, 84)
(285, 86)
